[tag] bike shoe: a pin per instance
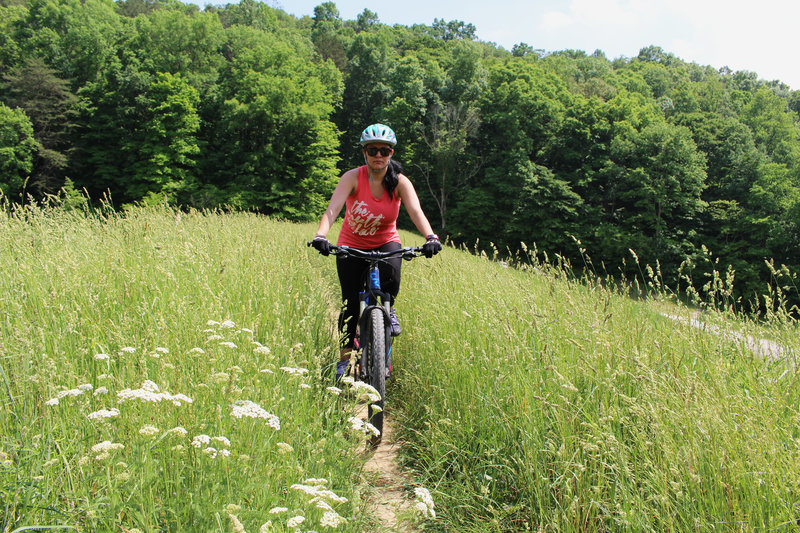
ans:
(342, 368)
(395, 323)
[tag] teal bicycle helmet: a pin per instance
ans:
(378, 133)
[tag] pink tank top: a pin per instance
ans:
(369, 222)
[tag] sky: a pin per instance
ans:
(756, 35)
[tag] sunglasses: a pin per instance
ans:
(373, 151)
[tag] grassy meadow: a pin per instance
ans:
(166, 371)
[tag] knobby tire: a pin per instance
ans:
(377, 373)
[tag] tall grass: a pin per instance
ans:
(532, 402)
(528, 401)
(196, 343)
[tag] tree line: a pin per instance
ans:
(613, 165)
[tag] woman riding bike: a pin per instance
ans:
(372, 195)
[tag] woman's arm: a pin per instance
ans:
(408, 195)
(346, 186)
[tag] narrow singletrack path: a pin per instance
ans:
(387, 482)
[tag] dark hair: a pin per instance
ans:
(392, 177)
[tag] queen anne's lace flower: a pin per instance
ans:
(228, 344)
(201, 440)
(331, 519)
(148, 431)
(278, 510)
(294, 371)
(295, 521)
(246, 408)
(424, 503)
(149, 392)
(101, 357)
(103, 414)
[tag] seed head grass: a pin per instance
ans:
(141, 356)
(164, 370)
(532, 401)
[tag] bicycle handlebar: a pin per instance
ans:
(407, 253)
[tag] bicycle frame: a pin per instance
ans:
(373, 296)
(375, 347)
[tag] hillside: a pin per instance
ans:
(165, 370)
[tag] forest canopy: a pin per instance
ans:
(612, 164)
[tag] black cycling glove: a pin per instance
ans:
(432, 246)
(322, 245)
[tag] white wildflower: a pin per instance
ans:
(212, 452)
(149, 392)
(148, 431)
(278, 510)
(334, 390)
(101, 357)
(247, 330)
(107, 446)
(304, 386)
(51, 402)
(330, 495)
(261, 350)
(356, 424)
(311, 491)
(200, 440)
(197, 351)
(228, 324)
(222, 440)
(100, 391)
(331, 519)
(322, 504)
(215, 338)
(162, 350)
(295, 521)
(155, 355)
(212, 323)
(128, 349)
(236, 526)
(365, 389)
(228, 344)
(103, 414)
(424, 502)
(294, 371)
(224, 453)
(86, 387)
(250, 409)
(266, 371)
(266, 527)
(178, 430)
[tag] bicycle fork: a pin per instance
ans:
(370, 299)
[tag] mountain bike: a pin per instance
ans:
(373, 337)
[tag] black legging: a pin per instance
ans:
(352, 272)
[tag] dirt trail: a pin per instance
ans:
(770, 350)
(387, 482)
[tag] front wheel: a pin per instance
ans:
(376, 357)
